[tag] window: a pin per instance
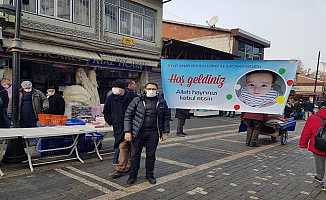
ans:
(125, 22)
(137, 24)
(82, 12)
(128, 18)
(64, 9)
(56, 8)
(148, 29)
(249, 51)
(10, 2)
(30, 7)
(111, 13)
(46, 7)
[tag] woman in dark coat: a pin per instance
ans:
(181, 115)
(4, 100)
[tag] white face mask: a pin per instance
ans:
(151, 93)
(28, 90)
(116, 91)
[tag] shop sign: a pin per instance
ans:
(119, 63)
(55, 57)
(127, 41)
(308, 88)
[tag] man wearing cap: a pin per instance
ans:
(31, 102)
(114, 111)
(56, 102)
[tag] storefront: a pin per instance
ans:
(305, 88)
(48, 65)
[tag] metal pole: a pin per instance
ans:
(15, 149)
(16, 66)
(316, 78)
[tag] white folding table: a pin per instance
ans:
(6, 134)
(43, 132)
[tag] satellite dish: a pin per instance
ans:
(213, 21)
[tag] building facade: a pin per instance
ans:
(234, 41)
(305, 87)
(118, 38)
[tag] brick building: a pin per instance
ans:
(233, 41)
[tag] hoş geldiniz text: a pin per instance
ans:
(201, 79)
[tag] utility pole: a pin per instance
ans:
(316, 78)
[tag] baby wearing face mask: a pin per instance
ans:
(258, 91)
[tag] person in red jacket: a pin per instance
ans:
(254, 122)
(307, 140)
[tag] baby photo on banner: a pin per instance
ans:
(229, 85)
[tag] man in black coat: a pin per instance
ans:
(56, 102)
(4, 100)
(114, 111)
(147, 120)
(181, 115)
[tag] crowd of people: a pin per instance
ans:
(143, 120)
(31, 103)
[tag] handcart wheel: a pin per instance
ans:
(273, 139)
(284, 138)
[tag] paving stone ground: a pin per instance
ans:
(211, 163)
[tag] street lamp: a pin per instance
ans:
(15, 152)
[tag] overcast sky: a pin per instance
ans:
(296, 28)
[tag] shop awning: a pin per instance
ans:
(31, 46)
(177, 49)
(128, 60)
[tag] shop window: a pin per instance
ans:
(128, 18)
(82, 12)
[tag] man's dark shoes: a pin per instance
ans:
(180, 135)
(151, 179)
(131, 180)
(184, 133)
(254, 144)
(117, 175)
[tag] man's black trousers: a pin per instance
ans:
(148, 139)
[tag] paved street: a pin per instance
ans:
(212, 162)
